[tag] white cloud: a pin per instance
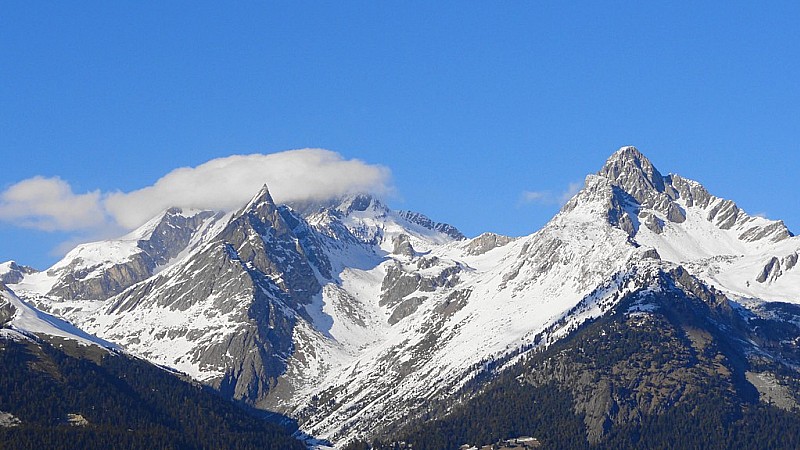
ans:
(220, 184)
(50, 204)
(536, 197)
(549, 198)
(572, 189)
(227, 183)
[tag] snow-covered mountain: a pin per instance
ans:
(747, 256)
(11, 272)
(351, 317)
(98, 270)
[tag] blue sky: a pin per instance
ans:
(468, 105)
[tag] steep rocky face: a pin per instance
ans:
(77, 282)
(222, 312)
(173, 234)
(486, 242)
(403, 280)
(99, 270)
(260, 239)
(7, 310)
(232, 305)
(421, 219)
(637, 177)
(402, 246)
(670, 196)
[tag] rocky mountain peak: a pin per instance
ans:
(425, 221)
(632, 171)
(355, 203)
(260, 237)
(11, 272)
(655, 198)
(262, 203)
(339, 206)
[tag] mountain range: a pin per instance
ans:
(645, 300)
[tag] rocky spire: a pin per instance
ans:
(262, 202)
(631, 171)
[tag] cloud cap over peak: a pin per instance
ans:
(220, 184)
(227, 183)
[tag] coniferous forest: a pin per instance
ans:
(126, 404)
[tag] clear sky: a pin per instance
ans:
(483, 113)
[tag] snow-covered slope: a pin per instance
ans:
(350, 317)
(97, 270)
(749, 257)
(11, 272)
(19, 319)
(462, 308)
(261, 307)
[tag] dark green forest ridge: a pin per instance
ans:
(126, 404)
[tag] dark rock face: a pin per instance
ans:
(771, 271)
(358, 202)
(172, 235)
(254, 357)
(82, 284)
(402, 246)
(454, 302)
(400, 282)
(310, 241)
(651, 221)
(421, 219)
(7, 310)
(405, 309)
(692, 193)
(634, 173)
(775, 231)
(790, 260)
(261, 240)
